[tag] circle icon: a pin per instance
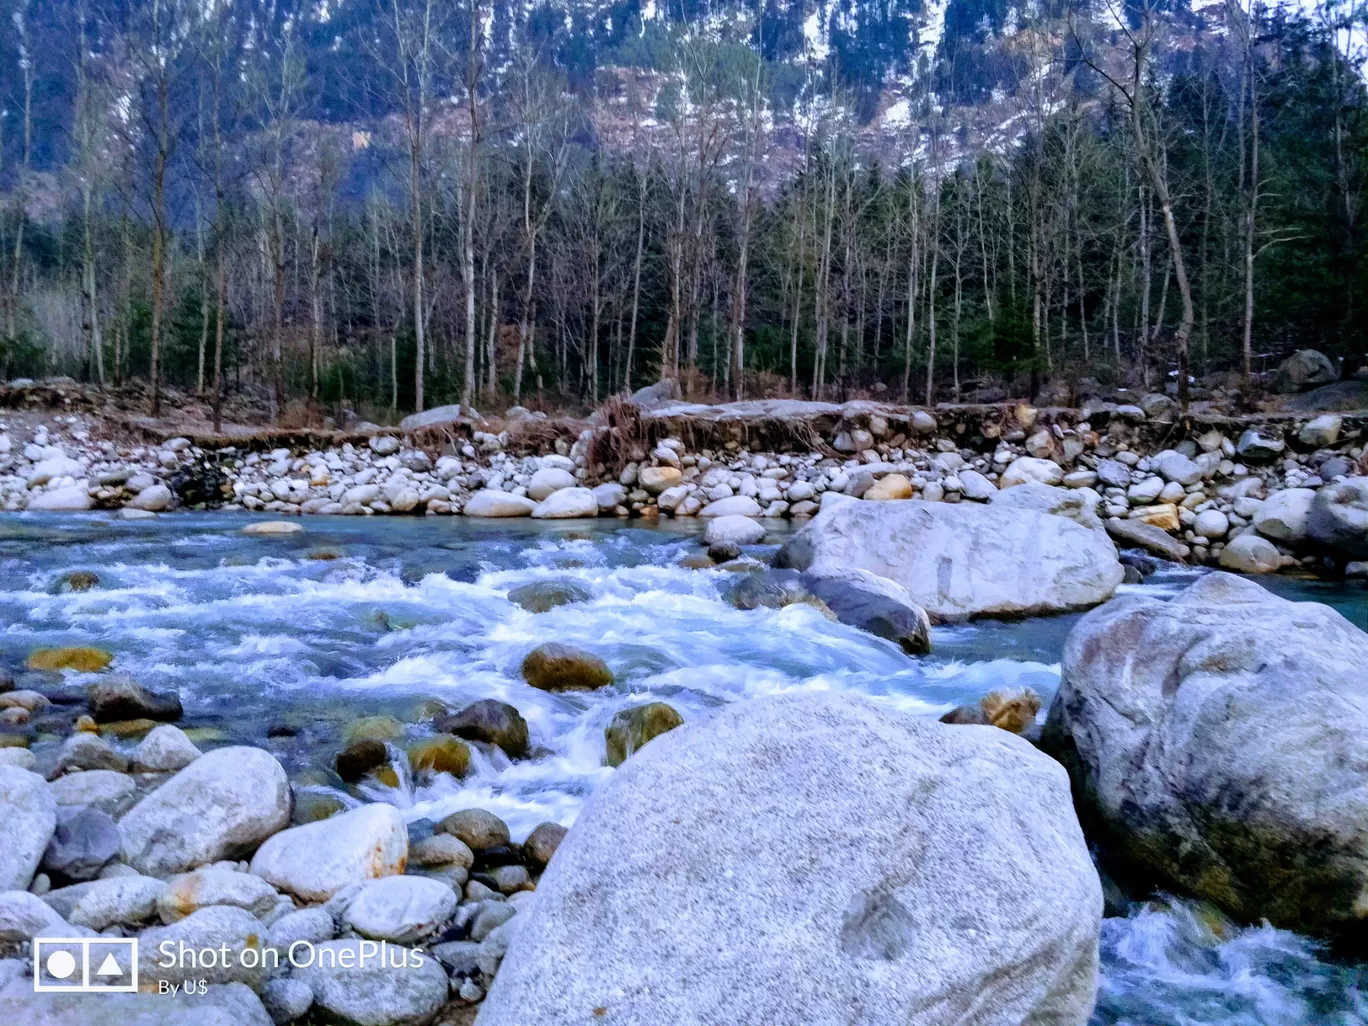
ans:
(61, 964)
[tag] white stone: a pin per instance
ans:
(71, 498)
(857, 863)
(1250, 554)
(153, 500)
(400, 909)
(567, 503)
(548, 480)
(1283, 515)
(734, 529)
(1029, 468)
(316, 860)
(1211, 523)
(732, 505)
(28, 811)
(368, 993)
(493, 503)
(165, 749)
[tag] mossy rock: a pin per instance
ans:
(373, 728)
(632, 728)
(492, 722)
(205, 735)
(324, 555)
(127, 728)
(312, 806)
(440, 754)
(557, 667)
(14, 740)
(697, 561)
(78, 580)
(387, 775)
(83, 658)
(360, 758)
(544, 596)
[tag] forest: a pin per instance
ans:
(1133, 196)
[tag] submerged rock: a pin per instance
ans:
(1013, 710)
(874, 604)
(1215, 742)
(632, 728)
(543, 596)
(122, 698)
(83, 659)
(962, 560)
(360, 758)
(557, 667)
(492, 722)
(441, 754)
(872, 867)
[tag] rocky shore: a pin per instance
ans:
(1274, 494)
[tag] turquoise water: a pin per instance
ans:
(405, 616)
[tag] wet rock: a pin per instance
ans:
(960, 818)
(1304, 369)
(213, 931)
(1250, 554)
(122, 698)
(100, 904)
(1147, 536)
(874, 604)
(718, 552)
(83, 659)
(400, 909)
(165, 749)
(492, 722)
(1214, 740)
(187, 893)
(83, 840)
(441, 850)
(312, 806)
(407, 989)
(557, 667)
(475, 828)
(315, 861)
(1338, 519)
(770, 589)
(567, 504)
(85, 751)
(359, 758)
(441, 754)
(1011, 709)
(78, 580)
(30, 816)
(962, 560)
(733, 530)
(490, 503)
(221, 806)
(374, 728)
(541, 844)
(632, 728)
(544, 595)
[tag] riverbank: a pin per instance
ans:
(1207, 488)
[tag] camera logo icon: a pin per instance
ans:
(85, 965)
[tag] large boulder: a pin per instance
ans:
(489, 502)
(30, 814)
(1250, 554)
(1306, 368)
(222, 805)
(874, 604)
(862, 866)
(1339, 518)
(1216, 744)
(567, 504)
(962, 560)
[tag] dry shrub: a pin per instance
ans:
(533, 436)
(620, 438)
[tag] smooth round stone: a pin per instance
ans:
(165, 749)
(1211, 523)
(543, 596)
(441, 850)
(315, 861)
(541, 844)
(408, 988)
(361, 757)
(441, 754)
(632, 728)
(733, 530)
(286, 999)
(216, 927)
(106, 790)
(557, 667)
(401, 909)
(187, 893)
(476, 828)
(273, 527)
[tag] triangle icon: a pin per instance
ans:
(109, 967)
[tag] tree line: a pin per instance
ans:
(1168, 202)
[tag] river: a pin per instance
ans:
(398, 615)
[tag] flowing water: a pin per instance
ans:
(400, 616)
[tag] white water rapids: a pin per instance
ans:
(356, 617)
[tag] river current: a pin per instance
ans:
(399, 616)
